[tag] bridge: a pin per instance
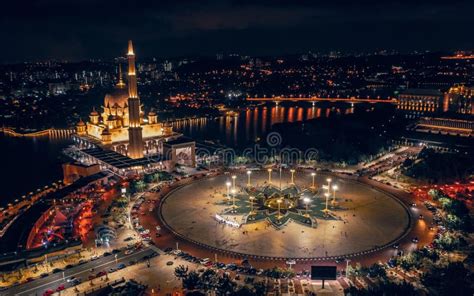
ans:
(317, 99)
(51, 132)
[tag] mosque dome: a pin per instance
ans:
(117, 98)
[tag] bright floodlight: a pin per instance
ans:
(306, 199)
(249, 172)
(228, 184)
(233, 191)
(334, 187)
(328, 179)
(234, 176)
(269, 170)
(313, 174)
(326, 194)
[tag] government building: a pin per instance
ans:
(122, 138)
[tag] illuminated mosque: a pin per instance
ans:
(122, 137)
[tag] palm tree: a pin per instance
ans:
(181, 272)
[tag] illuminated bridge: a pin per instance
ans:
(316, 99)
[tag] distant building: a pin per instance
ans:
(445, 126)
(58, 88)
(421, 101)
(460, 99)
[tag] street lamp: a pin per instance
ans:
(313, 175)
(292, 176)
(334, 189)
(306, 201)
(248, 178)
(327, 197)
(269, 176)
(279, 208)
(228, 189)
(251, 204)
(329, 183)
(233, 198)
(233, 181)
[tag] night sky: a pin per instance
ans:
(76, 30)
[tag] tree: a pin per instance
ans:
(259, 288)
(454, 279)
(377, 270)
(181, 272)
(191, 281)
(225, 285)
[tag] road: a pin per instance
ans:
(39, 286)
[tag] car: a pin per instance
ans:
(115, 251)
(169, 263)
(132, 262)
(112, 269)
(56, 270)
(69, 266)
(48, 292)
(421, 217)
(107, 254)
(76, 282)
(396, 246)
(71, 279)
(158, 228)
(121, 266)
(43, 275)
(413, 205)
(101, 273)
(94, 257)
(128, 252)
(415, 240)
(157, 234)
(60, 288)
(167, 250)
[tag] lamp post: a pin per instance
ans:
(279, 208)
(306, 201)
(233, 181)
(233, 198)
(313, 185)
(334, 189)
(248, 178)
(329, 184)
(327, 197)
(251, 204)
(292, 176)
(228, 189)
(269, 176)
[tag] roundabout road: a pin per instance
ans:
(418, 228)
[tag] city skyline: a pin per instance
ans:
(88, 30)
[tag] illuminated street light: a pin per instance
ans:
(307, 201)
(329, 184)
(327, 197)
(233, 198)
(251, 204)
(228, 189)
(313, 185)
(233, 181)
(279, 208)
(334, 189)
(269, 176)
(292, 176)
(248, 179)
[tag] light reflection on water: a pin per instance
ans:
(249, 124)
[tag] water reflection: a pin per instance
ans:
(249, 124)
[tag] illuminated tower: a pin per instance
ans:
(135, 146)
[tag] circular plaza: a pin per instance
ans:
(284, 214)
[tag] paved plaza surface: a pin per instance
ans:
(367, 219)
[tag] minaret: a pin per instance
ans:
(135, 138)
